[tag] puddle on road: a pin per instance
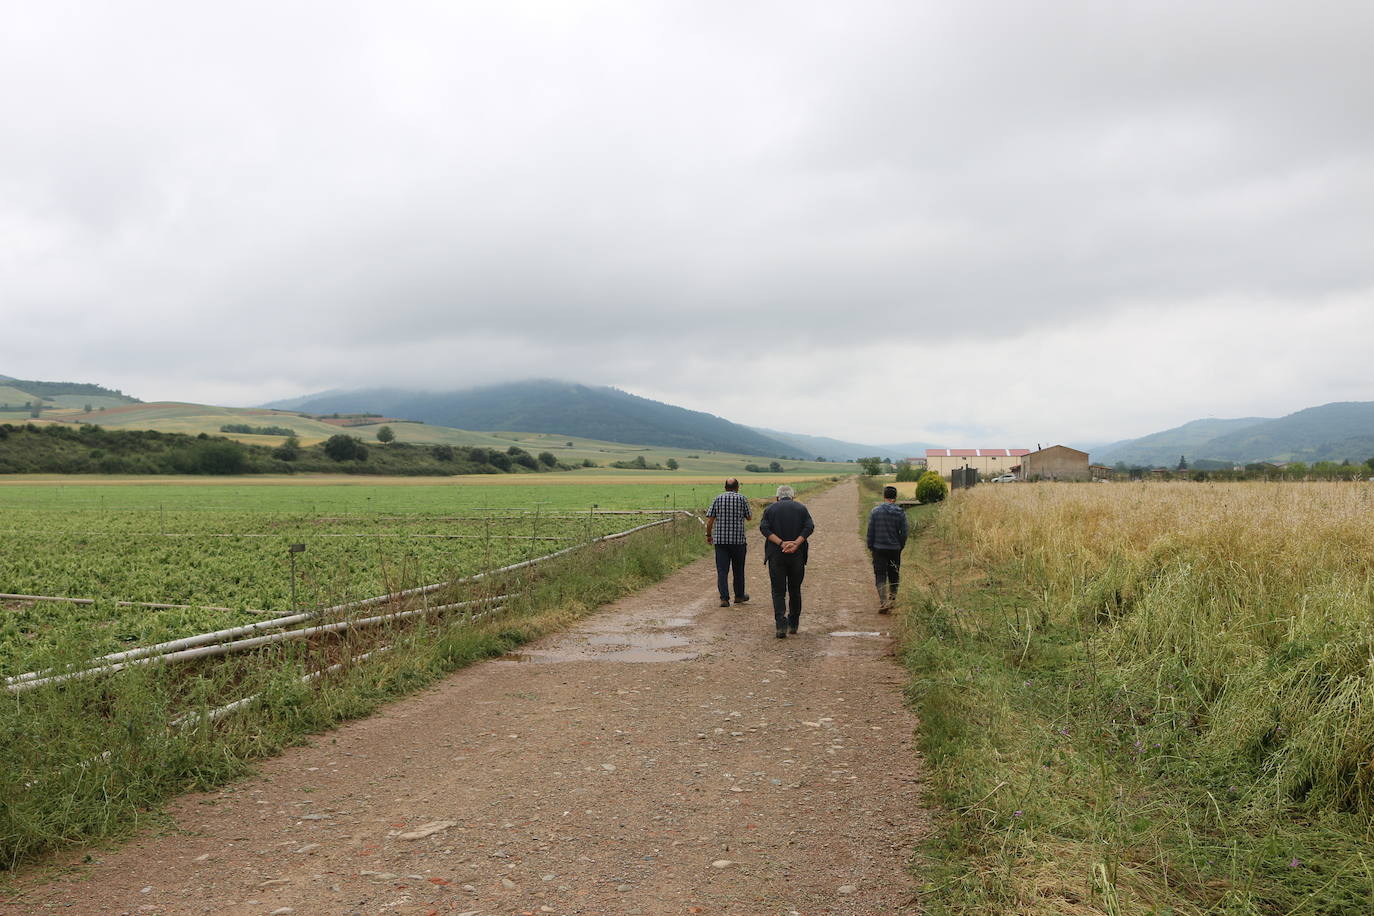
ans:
(639, 640)
(870, 634)
(631, 654)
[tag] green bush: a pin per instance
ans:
(931, 488)
(342, 447)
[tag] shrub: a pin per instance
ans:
(931, 488)
(906, 472)
(445, 453)
(221, 458)
(289, 450)
(342, 447)
(547, 458)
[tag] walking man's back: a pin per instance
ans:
(725, 529)
(887, 533)
(786, 526)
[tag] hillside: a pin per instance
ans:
(64, 448)
(1331, 432)
(1163, 448)
(575, 451)
(560, 408)
(66, 394)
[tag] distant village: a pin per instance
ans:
(965, 466)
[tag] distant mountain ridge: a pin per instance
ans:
(840, 450)
(551, 406)
(1331, 432)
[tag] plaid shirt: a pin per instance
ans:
(730, 510)
(887, 527)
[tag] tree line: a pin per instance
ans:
(91, 449)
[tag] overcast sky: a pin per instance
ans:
(976, 223)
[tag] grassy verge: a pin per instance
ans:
(1070, 778)
(95, 757)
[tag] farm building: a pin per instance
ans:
(989, 462)
(1057, 462)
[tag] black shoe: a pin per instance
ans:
(782, 634)
(725, 602)
(741, 599)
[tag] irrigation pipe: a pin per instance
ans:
(222, 711)
(240, 645)
(179, 649)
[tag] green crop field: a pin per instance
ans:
(226, 546)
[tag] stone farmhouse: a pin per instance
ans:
(1057, 462)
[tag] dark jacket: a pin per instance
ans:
(887, 527)
(788, 519)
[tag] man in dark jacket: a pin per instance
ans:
(787, 526)
(887, 532)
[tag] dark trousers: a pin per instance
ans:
(785, 573)
(728, 555)
(887, 568)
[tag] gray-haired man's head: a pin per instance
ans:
(786, 492)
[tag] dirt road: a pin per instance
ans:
(667, 756)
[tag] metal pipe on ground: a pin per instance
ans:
(201, 639)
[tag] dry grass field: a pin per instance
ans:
(1150, 697)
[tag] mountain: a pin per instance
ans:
(549, 406)
(1162, 449)
(840, 450)
(1331, 432)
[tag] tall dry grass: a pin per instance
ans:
(1238, 617)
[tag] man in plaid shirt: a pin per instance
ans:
(887, 531)
(725, 529)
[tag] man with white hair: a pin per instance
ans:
(786, 526)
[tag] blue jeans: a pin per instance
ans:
(728, 555)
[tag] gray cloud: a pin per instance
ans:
(258, 200)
